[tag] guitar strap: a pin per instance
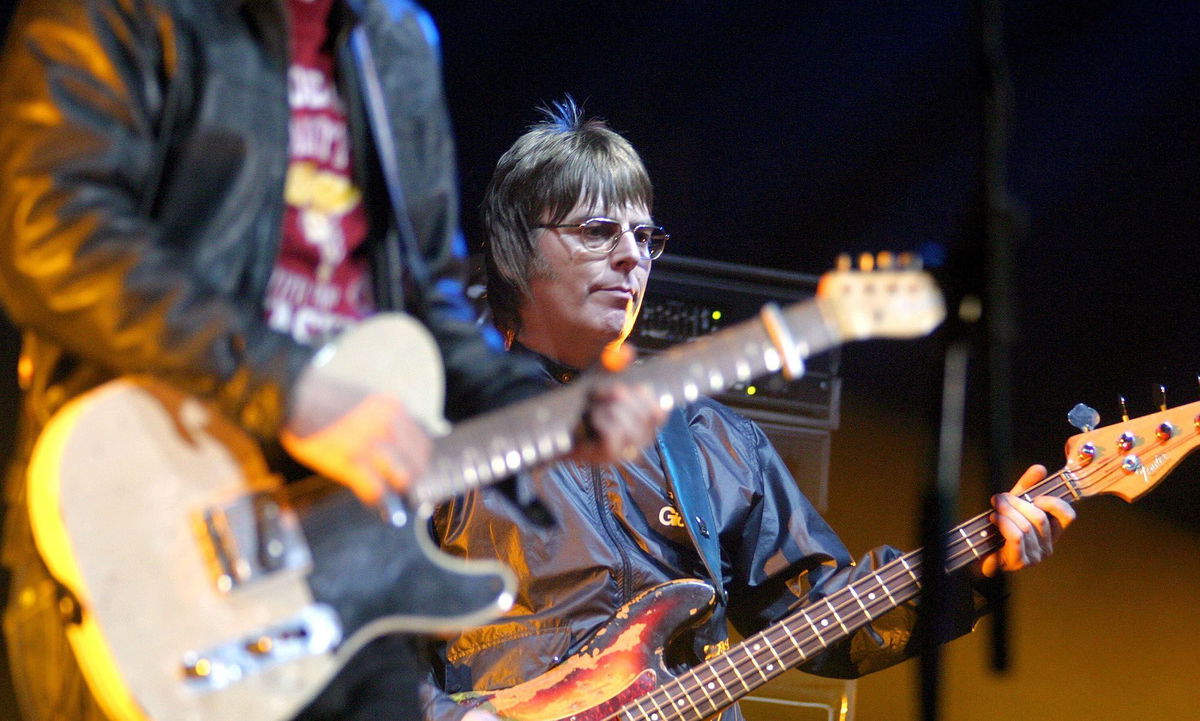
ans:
(685, 474)
(385, 147)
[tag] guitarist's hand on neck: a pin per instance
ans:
(619, 421)
(1030, 528)
(364, 440)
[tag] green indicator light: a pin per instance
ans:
(716, 315)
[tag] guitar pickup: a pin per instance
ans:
(250, 538)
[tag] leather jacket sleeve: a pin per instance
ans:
(97, 263)
(141, 203)
(436, 704)
(479, 374)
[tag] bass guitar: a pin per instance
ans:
(620, 675)
(204, 588)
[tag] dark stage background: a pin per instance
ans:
(780, 134)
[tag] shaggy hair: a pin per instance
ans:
(539, 180)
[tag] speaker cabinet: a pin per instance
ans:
(688, 298)
(801, 697)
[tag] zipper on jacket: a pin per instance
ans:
(605, 510)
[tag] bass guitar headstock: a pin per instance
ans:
(1129, 458)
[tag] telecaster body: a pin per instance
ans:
(205, 588)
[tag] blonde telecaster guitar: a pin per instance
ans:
(205, 589)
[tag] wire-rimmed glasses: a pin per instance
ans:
(601, 235)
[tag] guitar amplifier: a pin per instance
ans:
(689, 297)
(808, 699)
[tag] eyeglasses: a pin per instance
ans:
(601, 235)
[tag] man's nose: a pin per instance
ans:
(627, 248)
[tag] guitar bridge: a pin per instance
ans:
(312, 631)
(251, 538)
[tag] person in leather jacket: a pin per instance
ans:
(570, 243)
(198, 192)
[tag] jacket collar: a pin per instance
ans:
(558, 371)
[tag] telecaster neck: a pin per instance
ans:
(493, 446)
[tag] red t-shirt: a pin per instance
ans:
(321, 282)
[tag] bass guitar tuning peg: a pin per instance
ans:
(1083, 417)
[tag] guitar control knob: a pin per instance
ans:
(1125, 441)
(261, 646)
(198, 669)
(1164, 432)
(1087, 452)
(1131, 463)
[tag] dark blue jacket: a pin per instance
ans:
(617, 532)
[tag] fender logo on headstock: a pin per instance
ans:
(1153, 466)
(1129, 458)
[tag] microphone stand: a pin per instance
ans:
(984, 331)
(1003, 222)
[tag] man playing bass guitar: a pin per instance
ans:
(570, 243)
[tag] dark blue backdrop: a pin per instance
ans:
(779, 134)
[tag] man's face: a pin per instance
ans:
(582, 300)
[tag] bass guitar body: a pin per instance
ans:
(620, 675)
(620, 666)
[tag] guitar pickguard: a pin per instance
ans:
(622, 663)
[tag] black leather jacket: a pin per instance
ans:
(142, 160)
(617, 532)
(143, 151)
